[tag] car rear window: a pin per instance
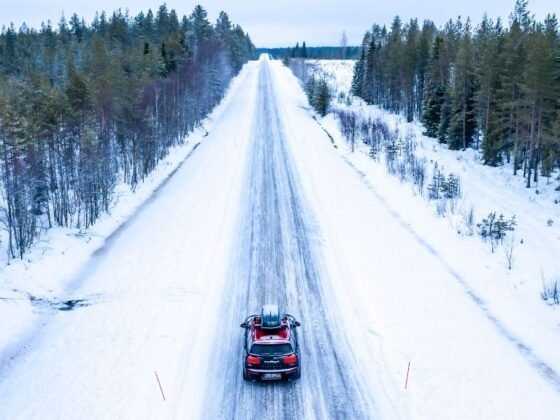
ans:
(271, 348)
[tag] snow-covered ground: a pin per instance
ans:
(510, 299)
(266, 208)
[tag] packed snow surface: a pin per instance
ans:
(265, 210)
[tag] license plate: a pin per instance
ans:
(271, 376)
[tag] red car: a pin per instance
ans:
(271, 346)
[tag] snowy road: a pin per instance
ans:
(265, 210)
(277, 259)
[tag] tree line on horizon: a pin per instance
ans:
(84, 107)
(495, 87)
(313, 53)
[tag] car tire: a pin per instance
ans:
(245, 376)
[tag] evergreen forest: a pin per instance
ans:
(495, 86)
(84, 107)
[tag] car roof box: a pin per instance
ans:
(270, 317)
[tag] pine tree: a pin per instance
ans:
(487, 71)
(223, 26)
(371, 79)
(9, 57)
(201, 27)
(410, 68)
(426, 40)
(394, 57)
(509, 95)
(148, 27)
(162, 22)
(77, 92)
(462, 121)
(296, 51)
(539, 95)
(77, 28)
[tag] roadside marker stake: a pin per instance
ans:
(407, 372)
(160, 388)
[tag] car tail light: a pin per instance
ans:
(290, 359)
(253, 360)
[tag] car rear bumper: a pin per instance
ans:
(272, 374)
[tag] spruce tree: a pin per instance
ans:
(445, 117)
(358, 76)
(436, 85)
(510, 96)
(322, 97)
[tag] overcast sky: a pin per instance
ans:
(283, 22)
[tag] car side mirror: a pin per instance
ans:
(244, 325)
(297, 324)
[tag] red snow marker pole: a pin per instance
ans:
(160, 388)
(407, 372)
